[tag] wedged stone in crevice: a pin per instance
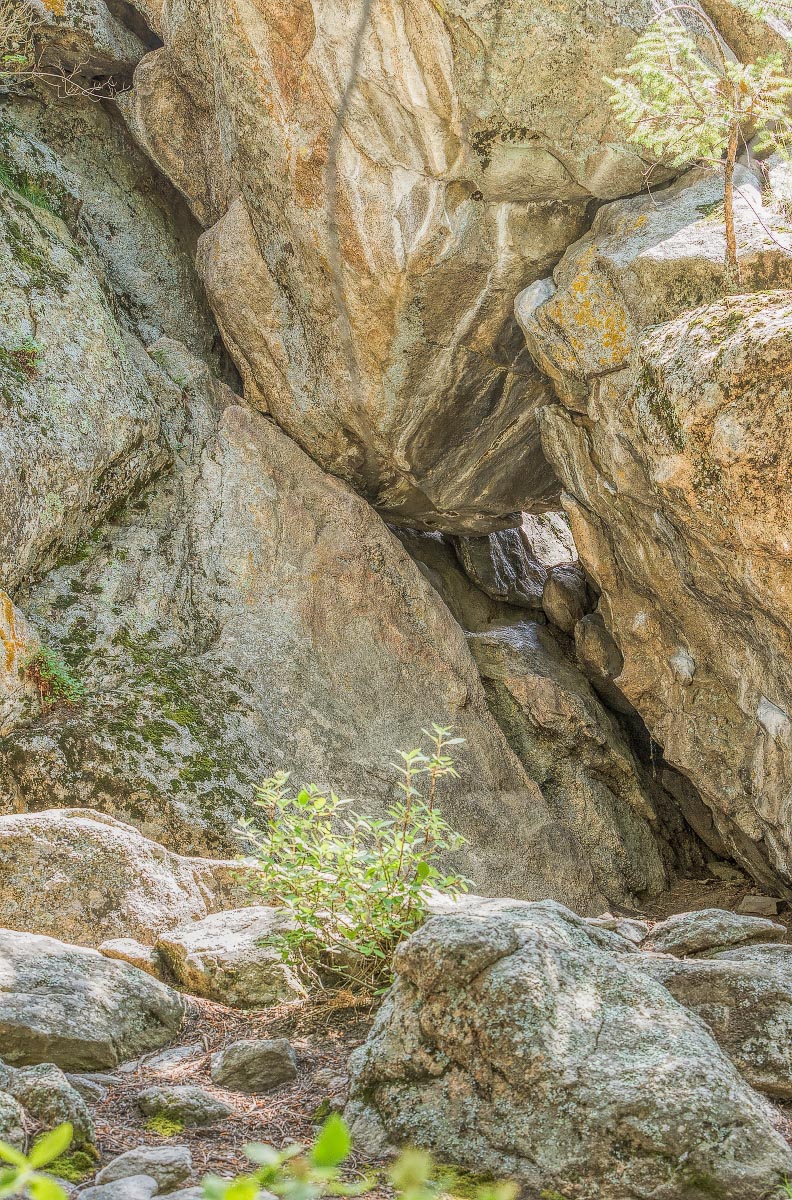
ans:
(582, 756)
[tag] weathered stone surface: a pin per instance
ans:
(577, 752)
(12, 1122)
(77, 156)
(255, 1065)
(773, 956)
(672, 439)
(746, 1005)
(45, 1092)
(216, 647)
(565, 597)
(455, 182)
(168, 1165)
(514, 1043)
(70, 1006)
(222, 958)
(184, 1103)
(710, 930)
(145, 958)
(80, 429)
(87, 877)
(137, 1187)
(18, 694)
(87, 40)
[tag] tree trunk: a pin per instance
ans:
(732, 265)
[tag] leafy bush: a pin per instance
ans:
(47, 670)
(297, 1174)
(355, 886)
(22, 1176)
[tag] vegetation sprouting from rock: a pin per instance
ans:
(356, 886)
(55, 682)
(685, 104)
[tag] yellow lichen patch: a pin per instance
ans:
(56, 7)
(594, 321)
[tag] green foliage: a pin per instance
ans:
(21, 360)
(355, 886)
(22, 1175)
(164, 1126)
(682, 104)
(55, 682)
(297, 1173)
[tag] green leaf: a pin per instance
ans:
(42, 1188)
(243, 1189)
(51, 1145)
(333, 1144)
(11, 1155)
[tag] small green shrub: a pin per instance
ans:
(355, 886)
(21, 1177)
(55, 682)
(300, 1173)
(164, 1126)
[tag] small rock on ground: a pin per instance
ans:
(138, 1187)
(184, 1103)
(168, 1165)
(759, 906)
(254, 1065)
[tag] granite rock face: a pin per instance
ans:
(672, 439)
(459, 178)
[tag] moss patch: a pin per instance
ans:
(164, 1126)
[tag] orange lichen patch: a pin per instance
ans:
(56, 7)
(10, 638)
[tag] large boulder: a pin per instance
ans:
(672, 439)
(87, 877)
(232, 957)
(387, 348)
(747, 1006)
(520, 1041)
(69, 1006)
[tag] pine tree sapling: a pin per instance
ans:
(355, 886)
(686, 105)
